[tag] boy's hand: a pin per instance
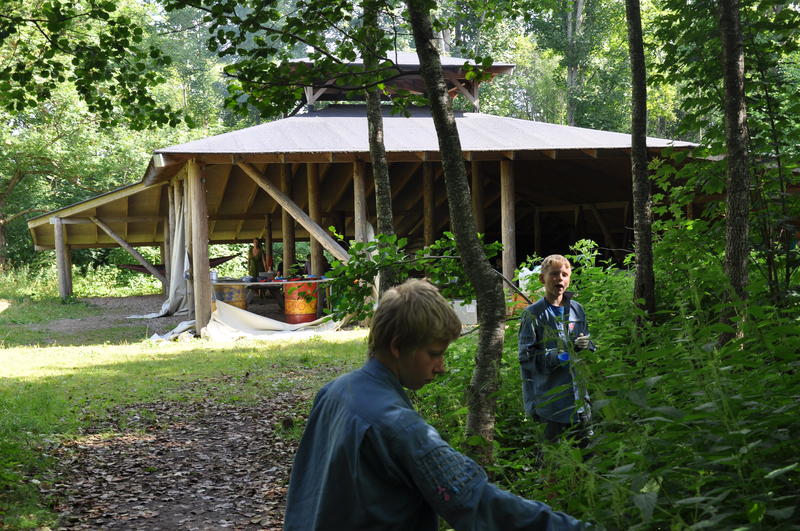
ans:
(582, 342)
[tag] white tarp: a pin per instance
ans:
(177, 302)
(229, 323)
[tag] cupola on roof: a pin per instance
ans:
(407, 65)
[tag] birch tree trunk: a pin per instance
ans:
(488, 288)
(377, 149)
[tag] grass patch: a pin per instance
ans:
(47, 395)
(24, 310)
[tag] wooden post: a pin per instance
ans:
(427, 203)
(507, 220)
(62, 260)
(477, 197)
(312, 175)
(133, 252)
(359, 202)
(287, 223)
(200, 270)
(537, 231)
(268, 241)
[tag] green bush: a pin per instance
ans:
(687, 435)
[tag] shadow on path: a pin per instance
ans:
(181, 466)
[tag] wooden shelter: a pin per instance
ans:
(535, 187)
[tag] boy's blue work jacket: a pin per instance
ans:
(368, 461)
(542, 336)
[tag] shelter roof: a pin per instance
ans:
(342, 129)
(594, 165)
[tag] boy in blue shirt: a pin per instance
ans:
(368, 461)
(551, 331)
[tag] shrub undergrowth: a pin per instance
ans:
(686, 435)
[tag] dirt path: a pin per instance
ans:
(188, 466)
(115, 312)
(174, 465)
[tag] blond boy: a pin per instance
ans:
(551, 331)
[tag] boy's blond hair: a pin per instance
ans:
(412, 315)
(554, 259)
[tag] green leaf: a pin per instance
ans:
(781, 471)
(646, 503)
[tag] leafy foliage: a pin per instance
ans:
(353, 286)
(97, 46)
(691, 45)
(686, 435)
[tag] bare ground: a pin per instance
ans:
(190, 466)
(115, 312)
(176, 465)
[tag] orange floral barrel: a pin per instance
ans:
(300, 301)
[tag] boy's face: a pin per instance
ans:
(419, 368)
(556, 281)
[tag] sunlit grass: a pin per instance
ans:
(47, 394)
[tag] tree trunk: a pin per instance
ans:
(377, 150)
(737, 245)
(644, 287)
(489, 293)
(3, 250)
(573, 26)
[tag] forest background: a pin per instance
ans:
(691, 433)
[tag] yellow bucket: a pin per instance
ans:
(233, 295)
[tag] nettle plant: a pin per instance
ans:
(353, 283)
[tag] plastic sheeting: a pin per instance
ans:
(177, 302)
(229, 323)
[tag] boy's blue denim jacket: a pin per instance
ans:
(542, 336)
(368, 461)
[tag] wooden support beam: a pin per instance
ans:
(200, 269)
(359, 202)
(507, 221)
(477, 196)
(607, 236)
(133, 252)
(463, 89)
(287, 223)
(113, 219)
(268, 241)
(537, 231)
(302, 218)
(62, 259)
(428, 204)
(312, 176)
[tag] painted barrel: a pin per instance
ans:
(233, 295)
(300, 301)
